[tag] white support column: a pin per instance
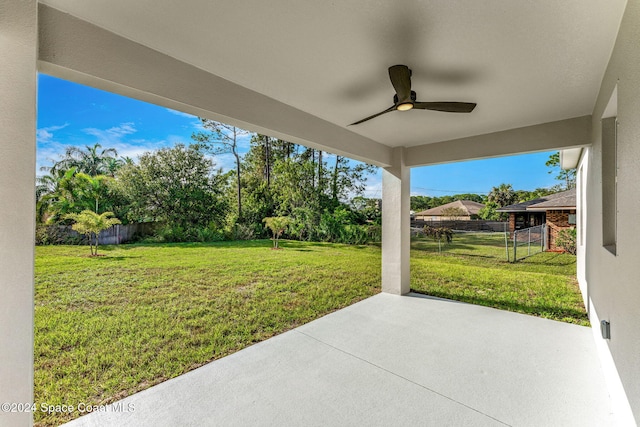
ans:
(396, 225)
(18, 50)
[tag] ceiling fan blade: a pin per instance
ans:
(448, 107)
(374, 116)
(400, 76)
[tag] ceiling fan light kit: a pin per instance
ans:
(405, 98)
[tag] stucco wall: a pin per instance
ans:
(613, 280)
(17, 180)
(581, 221)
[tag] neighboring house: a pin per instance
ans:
(463, 210)
(557, 210)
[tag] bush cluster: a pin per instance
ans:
(567, 240)
(58, 235)
(439, 233)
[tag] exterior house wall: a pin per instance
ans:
(557, 220)
(18, 43)
(581, 221)
(611, 278)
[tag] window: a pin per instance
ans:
(609, 183)
(582, 205)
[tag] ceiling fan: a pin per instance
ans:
(405, 98)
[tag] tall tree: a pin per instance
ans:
(72, 192)
(177, 185)
(502, 195)
(348, 179)
(221, 138)
(92, 160)
(568, 176)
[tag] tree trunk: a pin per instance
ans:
(267, 160)
(239, 186)
(234, 150)
(320, 170)
(313, 164)
(334, 180)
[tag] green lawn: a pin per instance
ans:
(107, 327)
(473, 269)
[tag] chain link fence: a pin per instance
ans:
(529, 241)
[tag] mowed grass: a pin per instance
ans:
(110, 326)
(107, 327)
(473, 269)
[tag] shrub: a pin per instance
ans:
(277, 225)
(567, 240)
(244, 232)
(374, 232)
(58, 235)
(176, 234)
(439, 233)
(91, 224)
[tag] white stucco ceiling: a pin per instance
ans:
(524, 62)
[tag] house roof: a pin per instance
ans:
(468, 206)
(564, 199)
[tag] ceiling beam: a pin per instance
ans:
(563, 134)
(78, 51)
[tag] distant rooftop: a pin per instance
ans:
(564, 199)
(469, 207)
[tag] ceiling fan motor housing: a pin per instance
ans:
(413, 98)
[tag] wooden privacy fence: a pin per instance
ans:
(124, 233)
(112, 236)
(463, 225)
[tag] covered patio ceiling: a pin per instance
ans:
(305, 70)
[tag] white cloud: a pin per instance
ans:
(44, 135)
(225, 161)
(373, 189)
(118, 137)
(112, 135)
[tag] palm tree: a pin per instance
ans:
(68, 192)
(112, 165)
(502, 195)
(91, 224)
(54, 193)
(90, 160)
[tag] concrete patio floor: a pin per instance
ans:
(391, 360)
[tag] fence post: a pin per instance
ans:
(529, 243)
(506, 242)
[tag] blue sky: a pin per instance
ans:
(73, 114)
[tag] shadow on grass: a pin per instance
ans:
(454, 254)
(540, 310)
(433, 247)
(300, 246)
(112, 258)
(189, 245)
(547, 258)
